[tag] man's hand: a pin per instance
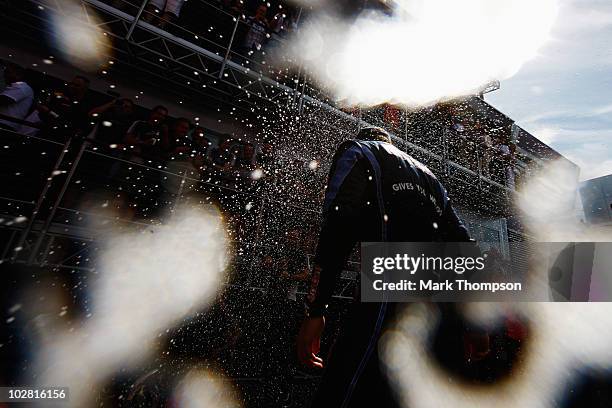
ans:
(309, 342)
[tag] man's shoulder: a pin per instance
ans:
(386, 150)
(27, 88)
(140, 124)
(349, 147)
(20, 88)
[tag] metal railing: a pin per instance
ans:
(80, 170)
(191, 65)
(64, 196)
(435, 153)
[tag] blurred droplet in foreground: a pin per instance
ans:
(148, 280)
(202, 388)
(420, 52)
(84, 45)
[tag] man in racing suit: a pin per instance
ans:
(365, 202)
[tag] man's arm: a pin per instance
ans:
(12, 94)
(337, 239)
(343, 207)
(102, 108)
(345, 196)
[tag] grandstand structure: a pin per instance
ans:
(596, 200)
(207, 68)
(46, 222)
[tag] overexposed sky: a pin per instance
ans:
(564, 95)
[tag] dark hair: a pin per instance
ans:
(179, 120)
(17, 69)
(160, 107)
(374, 134)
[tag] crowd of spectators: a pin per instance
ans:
(493, 148)
(455, 131)
(484, 149)
(133, 150)
(117, 128)
(211, 22)
(261, 25)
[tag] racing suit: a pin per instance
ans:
(375, 193)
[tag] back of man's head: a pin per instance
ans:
(13, 72)
(374, 134)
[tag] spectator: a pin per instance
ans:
(78, 88)
(200, 148)
(245, 164)
(201, 145)
(170, 9)
(65, 109)
(245, 157)
(176, 141)
(278, 28)
(504, 162)
(223, 157)
(507, 151)
(236, 7)
(290, 24)
(458, 127)
(294, 265)
(511, 170)
(17, 98)
(264, 154)
(114, 119)
(143, 144)
(486, 150)
(143, 138)
(277, 25)
(257, 33)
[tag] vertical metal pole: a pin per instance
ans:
(136, 19)
(297, 83)
(47, 249)
(301, 103)
(229, 48)
(41, 199)
(8, 246)
(179, 193)
(58, 201)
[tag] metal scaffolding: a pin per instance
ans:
(146, 47)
